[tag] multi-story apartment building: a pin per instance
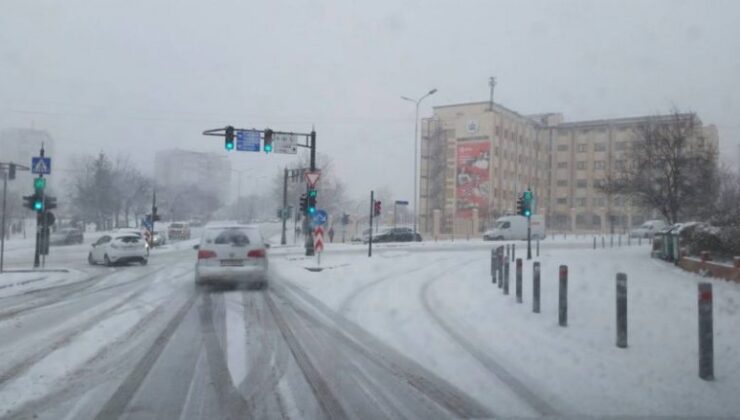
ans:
(477, 157)
(185, 168)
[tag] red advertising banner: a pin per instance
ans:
(473, 181)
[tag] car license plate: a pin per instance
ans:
(232, 263)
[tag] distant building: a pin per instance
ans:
(476, 159)
(184, 168)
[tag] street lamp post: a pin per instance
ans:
(416, 150)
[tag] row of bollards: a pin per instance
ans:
(500, 274)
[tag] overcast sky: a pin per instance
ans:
(142, 75)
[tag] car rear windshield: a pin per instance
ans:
(128, 239)
(232, 237)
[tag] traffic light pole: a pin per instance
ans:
(284, 216)
(529, 237)
(370, 234)
(2, 238)
(307, 224)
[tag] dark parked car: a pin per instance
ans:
(66, 236)
(397, 235)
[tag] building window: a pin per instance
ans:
(562, 182)
(619, 165)
(599, 164)
(562, 165)
(598, 183)
(599, 147)
(562, 200)
(580, 202)
(498, 130)
(620, 145)
(581, 148)
(618, 201)
(582, 183)
(562, 147)
(495, 151)
(599, 201)
(581, 165)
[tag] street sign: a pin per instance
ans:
(312, 178)
(320, 218)
(41, 165)
(402, 202)
(285, 143)
(248, 141)
(318, 239)
(147, 224)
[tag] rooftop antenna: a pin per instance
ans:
(492, 84)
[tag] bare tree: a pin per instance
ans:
(668, 168)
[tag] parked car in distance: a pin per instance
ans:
(178, 230)
(515, 228)
(397, 234)
(158, 239)
(66, 236)
(648, 229)
(233, 255)
(118, 249)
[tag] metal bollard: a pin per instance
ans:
(536, 287)
(493, 266)
(706, 334)
(619, 241)
(594, 242)
(621, 310)
(506, 277)
(563, 297)
(611, 241)
(639, 240)
(603, 243)
(500, 270)
(508, 251)
(519, 280)
(629, 240)
(538, 246)
(513, 252)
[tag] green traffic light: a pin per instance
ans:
(312, 193)
(268, 148)
(229, 146)
(312, 210)
(38, 205)
(527, 195)
(39, 183)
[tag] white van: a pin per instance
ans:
(515, 228)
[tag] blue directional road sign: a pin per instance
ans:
(320, 218)
(41, 165)
(147, 224)
(248, 141)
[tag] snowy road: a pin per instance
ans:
(414, 332)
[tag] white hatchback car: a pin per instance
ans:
(118, 249)
(232, 254)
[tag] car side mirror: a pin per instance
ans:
(196, 246)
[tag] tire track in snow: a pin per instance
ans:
(395, 364)
(518, 387)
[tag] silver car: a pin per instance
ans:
(232, 254)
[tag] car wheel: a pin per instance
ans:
(144, 261)
(107, 260)
(90, 259)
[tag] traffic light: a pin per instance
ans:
(345, 219)
(33, 202)
(155, 216)
(50, 203)
(268, 141)
(527, 203)
(11, 172)
(304, 203)
(229, 139)
(39, 183)
(520, 205)
(377, 208)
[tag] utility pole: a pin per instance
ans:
(5, 196)
(283, 214)
(370, 234)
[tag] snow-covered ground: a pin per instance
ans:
(441, 309)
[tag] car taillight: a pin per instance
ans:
(205, 254)
(256, 253)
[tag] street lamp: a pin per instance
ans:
(416, 148)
